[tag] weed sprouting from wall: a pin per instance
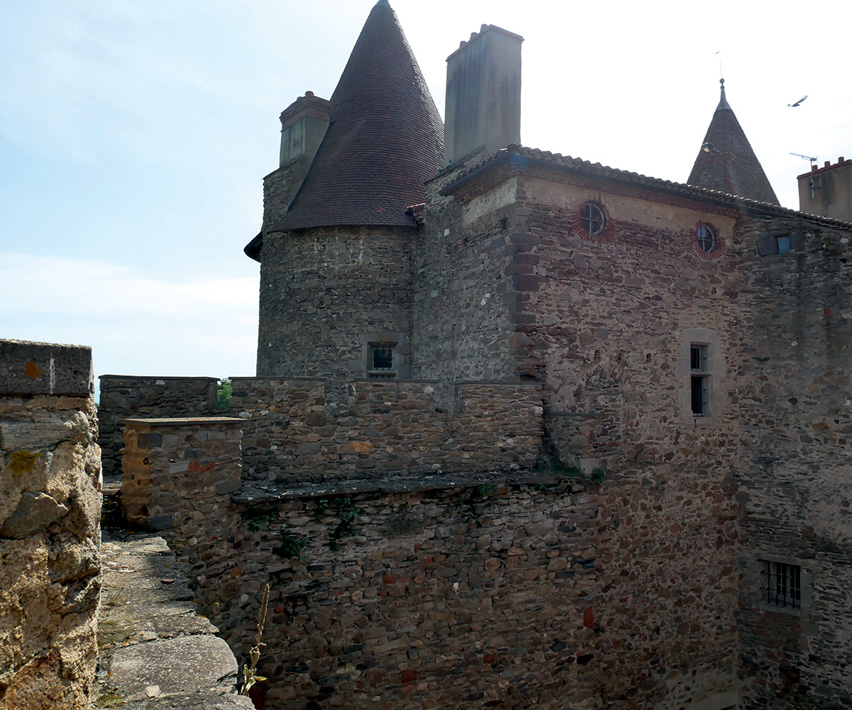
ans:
(347, 515)
(291, 545)
(250, 677)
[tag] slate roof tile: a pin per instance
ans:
(385, 137)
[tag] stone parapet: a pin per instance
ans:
(389, 428)
(179, 468)
(50, 507)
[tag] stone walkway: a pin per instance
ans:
(156, 653)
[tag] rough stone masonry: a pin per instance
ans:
(50, 504)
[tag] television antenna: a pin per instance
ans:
(813, 160)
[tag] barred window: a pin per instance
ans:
(782, 585)
(381, 365)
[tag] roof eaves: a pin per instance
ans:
(626, 177)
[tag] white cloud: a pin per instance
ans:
(168, 324)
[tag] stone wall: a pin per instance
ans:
(535, 591)
(469, 593)
(605, 325)
(796, 434)
(49, 526)
(666, 608)
(388, 428)
(465, 299)
(124, 396)
(179, 468)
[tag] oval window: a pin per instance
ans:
(593, 219)
(706, 238)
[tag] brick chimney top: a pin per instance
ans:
(307, 105)
(482, 30)
(841, 161)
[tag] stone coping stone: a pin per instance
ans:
(283, 378)
(149, 378)
(194, 701)
(155, 650)
(183, 421)
(183, 664)
(252, 493)
(28, 368)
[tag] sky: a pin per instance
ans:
(134, 136)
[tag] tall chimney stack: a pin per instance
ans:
(827, 190)
(483, 110)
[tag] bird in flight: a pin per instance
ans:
(799, 102)
(708, 147)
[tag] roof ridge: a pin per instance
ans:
(640, 179)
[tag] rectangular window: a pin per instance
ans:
(782, 585)
(381, 361)
(699, 380)
(783, 245)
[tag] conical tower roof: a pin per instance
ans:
(385, 137)
(726, 161)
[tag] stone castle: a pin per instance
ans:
(527, 431)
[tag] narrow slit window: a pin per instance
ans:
(699, 380)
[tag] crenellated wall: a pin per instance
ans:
(50, 505)
(455, 591)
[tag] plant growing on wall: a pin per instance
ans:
(291, 545)
(347, 515)
(250, 677)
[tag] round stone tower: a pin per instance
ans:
(335, 296)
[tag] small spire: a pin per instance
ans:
(723, 102)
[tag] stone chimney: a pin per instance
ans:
(483, 110)
(303, 125)
(827, 191)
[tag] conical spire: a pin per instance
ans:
(385, 137)
(726, 161)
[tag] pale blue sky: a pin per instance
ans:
(134, 135)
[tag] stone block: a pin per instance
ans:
(180, 665)
(28, 368)
(35, 512)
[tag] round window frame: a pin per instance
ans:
(607, 230)
(698, 241)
